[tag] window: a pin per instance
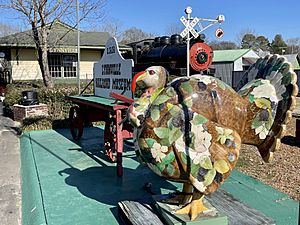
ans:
(62, 65)
(69, 65)
(55, 65)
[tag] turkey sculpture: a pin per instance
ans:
(191, 129)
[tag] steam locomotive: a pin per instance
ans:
(171, 53)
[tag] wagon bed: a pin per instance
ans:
(91, 108)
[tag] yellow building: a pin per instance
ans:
(20, 52)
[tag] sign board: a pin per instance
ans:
(112, 73)
(63, 50)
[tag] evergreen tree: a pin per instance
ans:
(248, 41)
(262, 43)
(278, 45)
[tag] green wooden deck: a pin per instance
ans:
(64, 182)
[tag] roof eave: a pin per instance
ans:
(242, 54)
(223, 61)
(62, 46)
(18, 45)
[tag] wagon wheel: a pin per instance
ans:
(109, 138)
(76, 122)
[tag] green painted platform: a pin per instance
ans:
(64, 182)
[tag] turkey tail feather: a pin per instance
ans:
(272, 95)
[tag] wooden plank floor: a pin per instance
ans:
(237, 213)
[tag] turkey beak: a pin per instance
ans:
(138, 77)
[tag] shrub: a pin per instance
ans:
(58, 105)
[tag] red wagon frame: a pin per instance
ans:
(90, 108)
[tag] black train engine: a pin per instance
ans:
(171, 53)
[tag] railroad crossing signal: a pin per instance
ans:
(189, 23)
(189, 27)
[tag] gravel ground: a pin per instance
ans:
(283, 173)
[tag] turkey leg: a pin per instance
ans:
(195, 207)
(181, 198)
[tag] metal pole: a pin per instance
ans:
(188, 13)
(78, 46)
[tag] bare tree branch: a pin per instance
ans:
(7, 29)
(174, 28)
(134, 34)
(112, 26)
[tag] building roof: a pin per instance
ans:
(61, 35)
(229, 55)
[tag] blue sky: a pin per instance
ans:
(265, 17)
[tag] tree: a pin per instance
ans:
(7, 29)
(248, 41)
(278, 45)
(222, 45)
(134, 34)
(242, 33)
(41, 15)
(255, 42)
(112, 26)
(293, 46)
(174, 28)
(262, 43)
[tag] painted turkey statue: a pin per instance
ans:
(191, 129)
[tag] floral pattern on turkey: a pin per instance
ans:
(263, 120)
(208, 172)
(199, 147)
(205, 80)
(224, 135)
(157, 156)
(266, 94)
(267, 90)
(138, 111)
(158, 152)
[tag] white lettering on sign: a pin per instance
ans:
(112, 73)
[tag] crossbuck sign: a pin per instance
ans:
(189, 27)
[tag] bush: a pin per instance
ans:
(58, 105)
